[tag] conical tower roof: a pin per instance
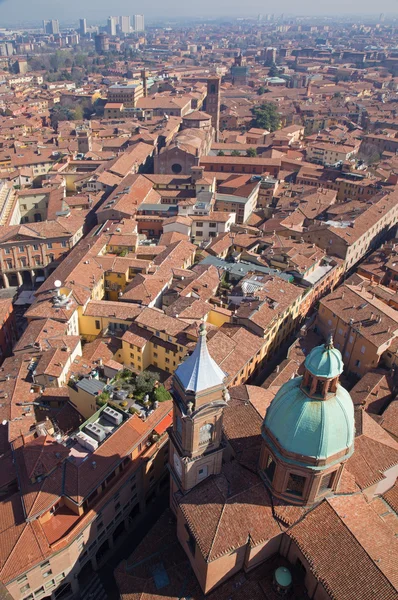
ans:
(199, 371)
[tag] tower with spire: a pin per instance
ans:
(199, 395)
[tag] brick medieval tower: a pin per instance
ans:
(213, 102)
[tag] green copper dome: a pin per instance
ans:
(325, 361)
(310, 427)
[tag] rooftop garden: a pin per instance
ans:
(135, 393)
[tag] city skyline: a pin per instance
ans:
(11, 11)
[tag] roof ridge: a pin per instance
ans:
(356, 539)
(218, 527)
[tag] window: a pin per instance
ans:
(176, 168)
(47, 573)
(49, 245)
(357, 363)
(270, 468)
(213, 225)
(202, 473)
(21, 248)
(24, 588)
(7, 250)
(97, 324)
(40, 591)
(158, 334)
(167, 360)
(326, 482)
(63, 244)
(363, 349)
(22, 579)
(35, 247)
(206, 433)
(50, 584)
(45, 564)
(295, 484)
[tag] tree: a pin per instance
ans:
(261, 90)
(221, 153)
(160, 394)
(145, 382)
(60, 113)
(77, 113)
(235, 153)
(251, 152)
(265, 116)
(273, 71)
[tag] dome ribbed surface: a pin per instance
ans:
(308, 426)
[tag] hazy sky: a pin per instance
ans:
(19, 11)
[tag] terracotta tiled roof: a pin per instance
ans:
(391, 497)
(375, 452)
(347, 546)
(225, 510)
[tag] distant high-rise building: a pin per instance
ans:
(83, 27)
(124, 24)
(112, 25)
(51, 27)
(101, 43)
(6, 49)
(138, 23)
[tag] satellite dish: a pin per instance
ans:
(4, 422)
(57, 283)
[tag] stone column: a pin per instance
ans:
(5, 281)
(19, 278)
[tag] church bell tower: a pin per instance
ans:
(199, 395)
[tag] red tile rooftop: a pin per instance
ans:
(59, 525)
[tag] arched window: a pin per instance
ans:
(206, 433)
(270, 468)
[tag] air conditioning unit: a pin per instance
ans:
(113, 416)
(95, 431)
(86, 441)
